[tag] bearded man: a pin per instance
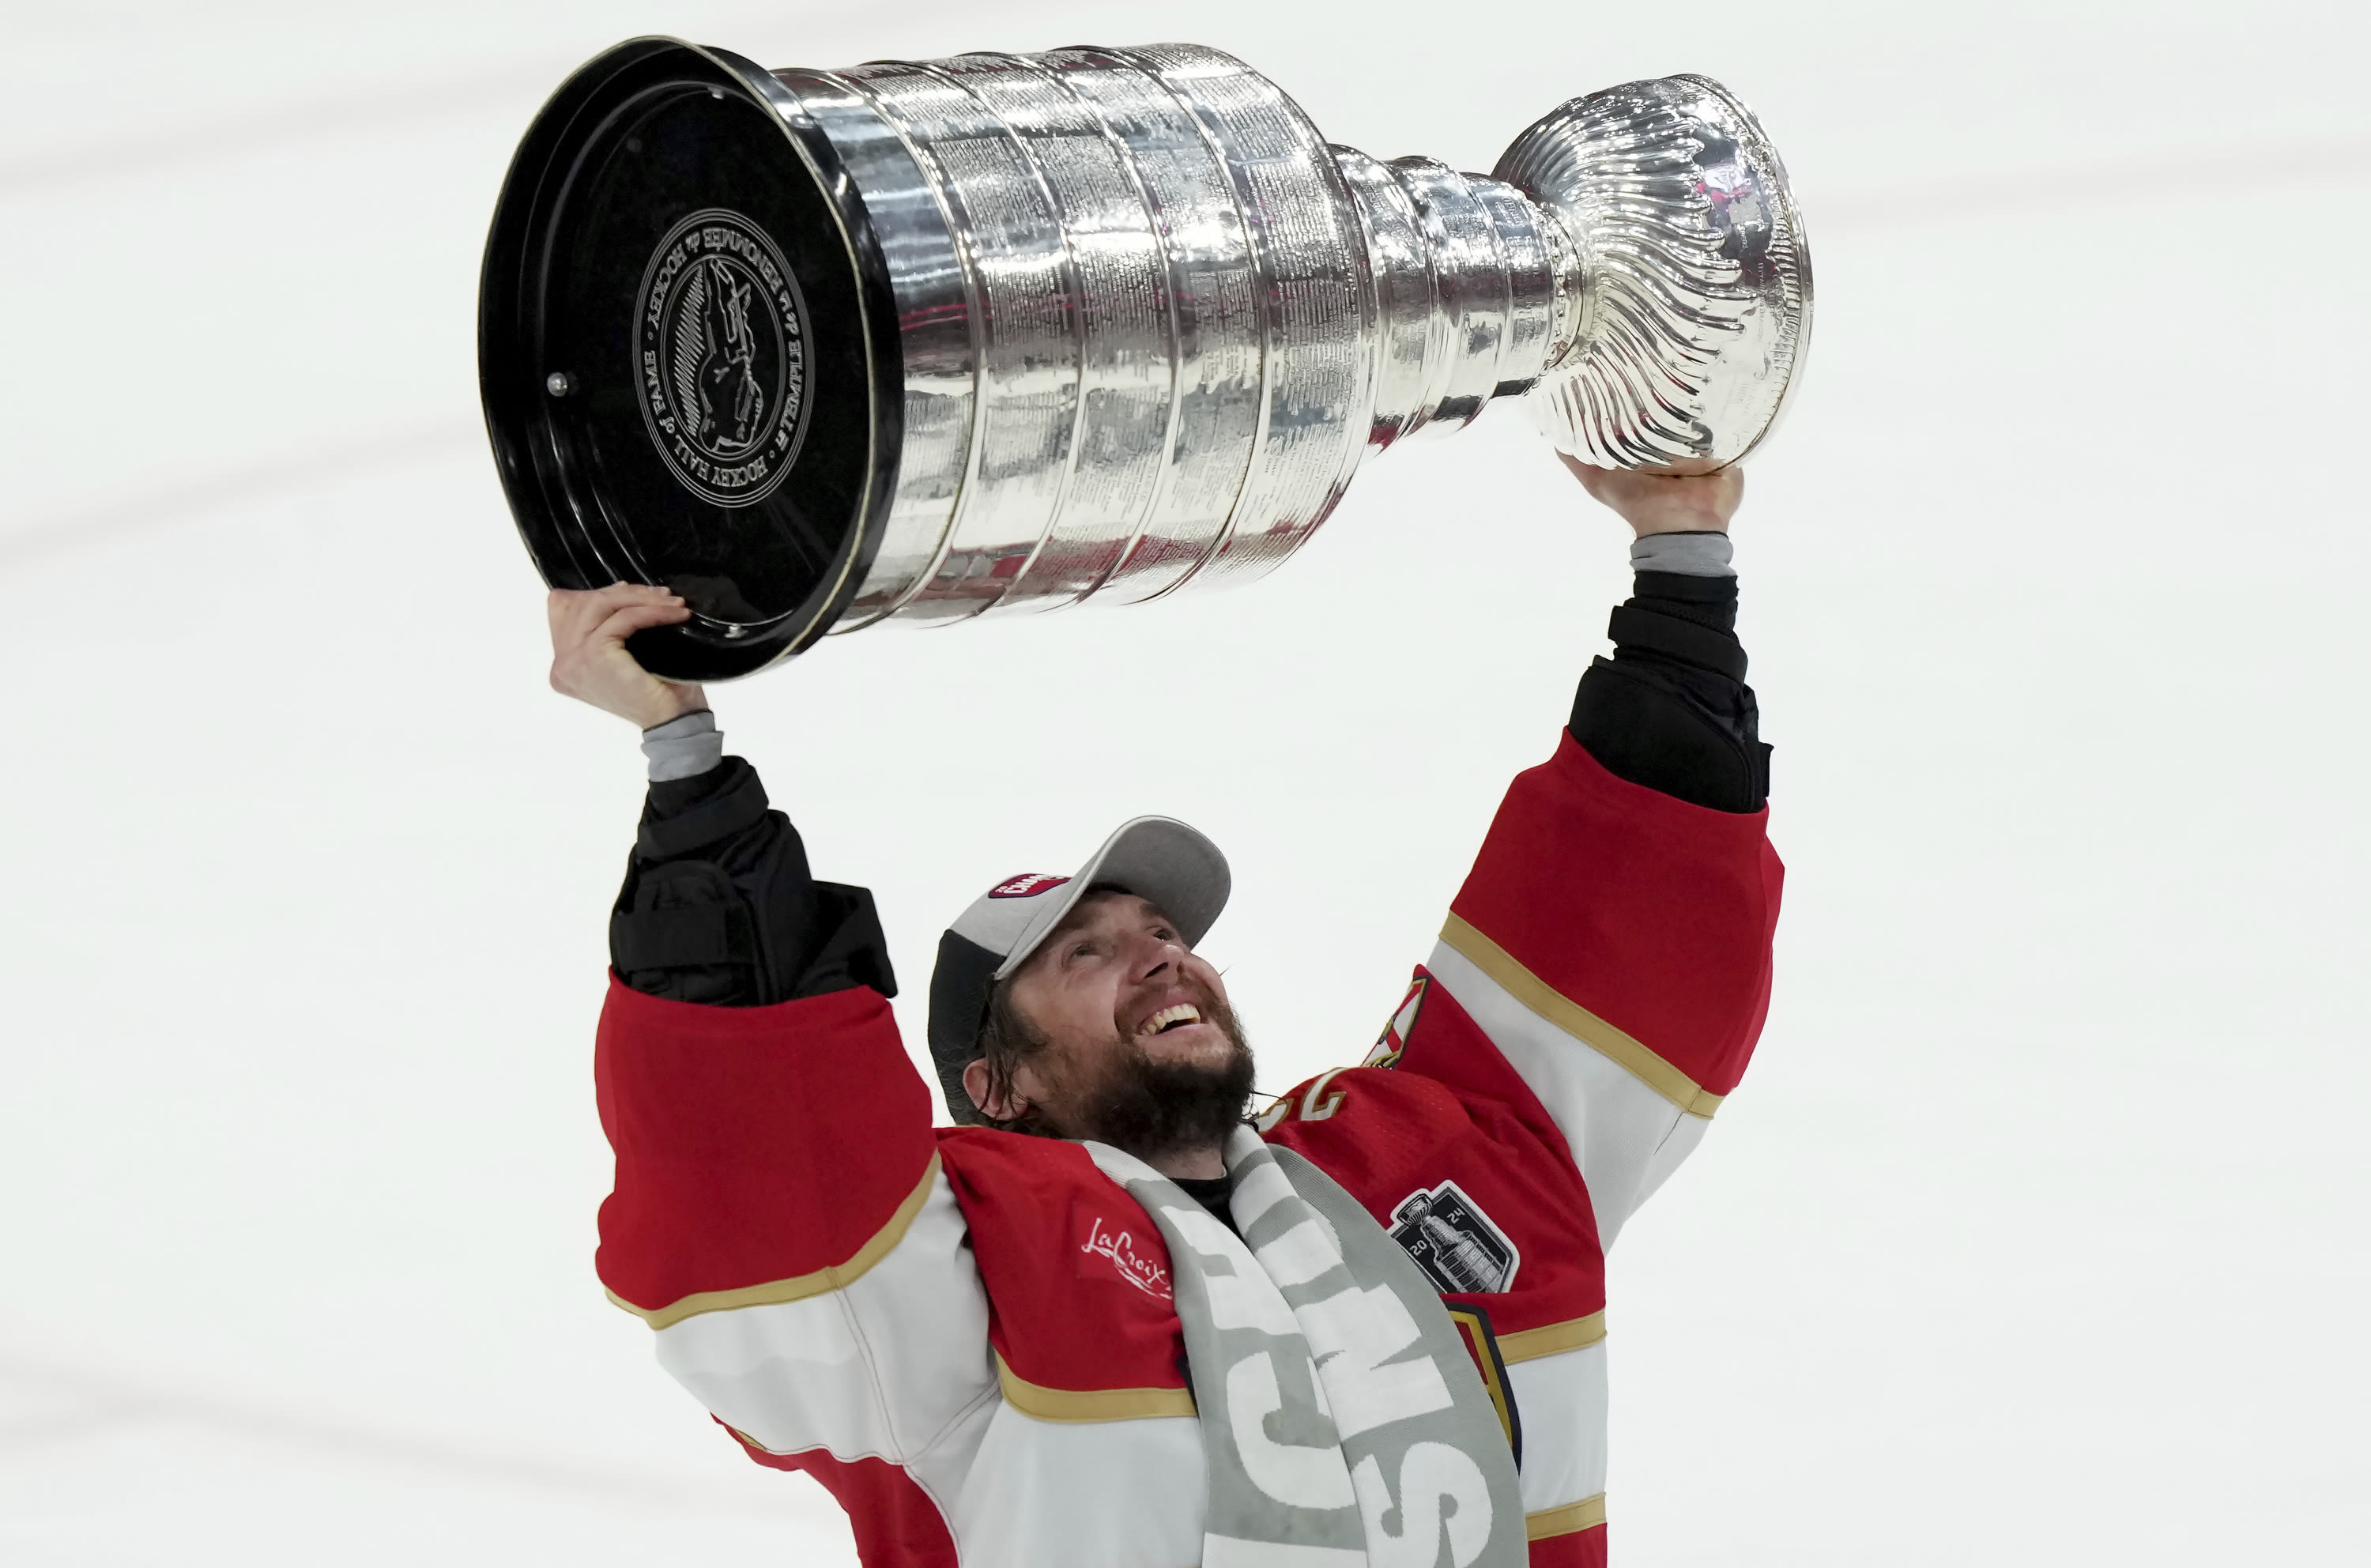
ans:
(1107, 1322)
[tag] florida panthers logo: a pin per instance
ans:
(722, 340)
(1395, 1037)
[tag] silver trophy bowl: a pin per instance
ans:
(929, 341)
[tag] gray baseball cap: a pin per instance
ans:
(1160, 860)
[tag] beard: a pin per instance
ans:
(1151, 1109)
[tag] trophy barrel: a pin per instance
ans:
(1157, 356)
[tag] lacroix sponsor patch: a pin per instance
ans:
(1026, 886)
(1105, 1246)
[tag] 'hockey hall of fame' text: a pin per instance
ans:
(721, 340)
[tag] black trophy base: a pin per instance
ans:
(687, 354)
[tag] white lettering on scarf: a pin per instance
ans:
(1301, 1254)
(1258, 1190)
(1237, 1301)
(1290, 1472)
(1431, 1473)
(1352, 1335)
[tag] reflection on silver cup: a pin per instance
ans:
(929, 341)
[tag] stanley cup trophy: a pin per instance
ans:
(926, 341)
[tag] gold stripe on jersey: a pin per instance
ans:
(839, 1277)
(1042, 1403)
(1530, 1345)
(1561, 1010)
(1570, 1519)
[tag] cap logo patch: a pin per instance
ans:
(1026, 886)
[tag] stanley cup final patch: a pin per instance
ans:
(1454, 1242)
(721, 348)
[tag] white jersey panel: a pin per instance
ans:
(1619, 1129)
(1668, 1158)
(1084, 1493)
(881, 1369)
(1562, 1403)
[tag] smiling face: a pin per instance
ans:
(1135, 1046)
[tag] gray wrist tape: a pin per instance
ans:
(684, 747)
(1690, 555)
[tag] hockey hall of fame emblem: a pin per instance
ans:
(721, 351)
(1454, 1241)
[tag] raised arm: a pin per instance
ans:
(1611, 943)
(718, 906)
(780, 1216)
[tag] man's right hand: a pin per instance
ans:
(589, 661)
(1653, 502)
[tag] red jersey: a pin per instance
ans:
(968, 1335)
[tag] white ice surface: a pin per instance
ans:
(2037, 1233)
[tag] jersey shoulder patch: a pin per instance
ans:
(1394, 1038)
(1454, 1241)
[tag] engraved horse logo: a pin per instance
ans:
(716, 381)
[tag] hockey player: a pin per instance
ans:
(1105, 1322)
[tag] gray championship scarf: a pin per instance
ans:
(1342, 1420)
